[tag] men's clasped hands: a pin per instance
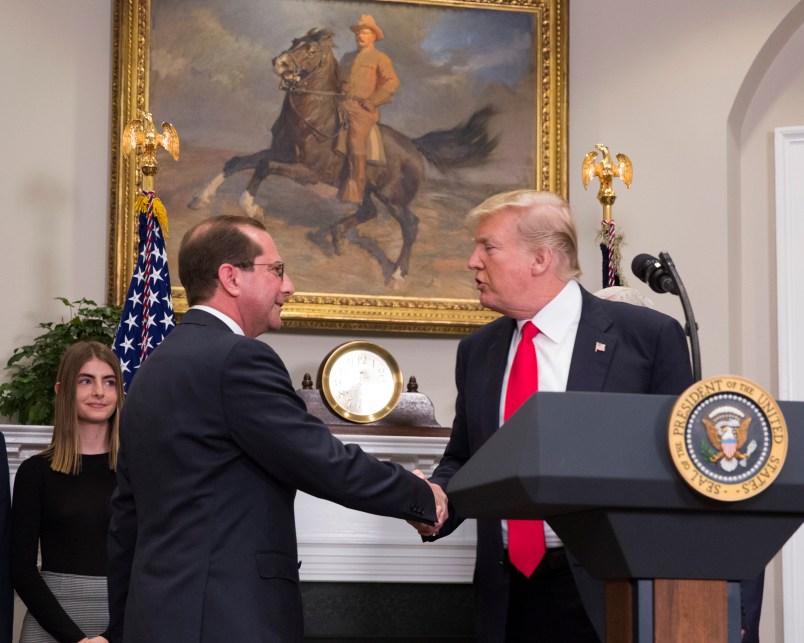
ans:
(442, 511)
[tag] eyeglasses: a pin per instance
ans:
(277, 267)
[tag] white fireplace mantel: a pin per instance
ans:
(338, 544)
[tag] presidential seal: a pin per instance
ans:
(728, 438)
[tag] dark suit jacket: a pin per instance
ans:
(6, 593)
(646, 352)
(214, 445)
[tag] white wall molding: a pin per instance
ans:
(339, 544)
(789, 152)
(22, 442)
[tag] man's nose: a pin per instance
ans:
(287, 285)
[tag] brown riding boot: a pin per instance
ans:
(356, 183)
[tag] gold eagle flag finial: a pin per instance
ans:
(610, 241)
(606, 171)
(140, 135)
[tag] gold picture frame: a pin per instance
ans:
(317, 309)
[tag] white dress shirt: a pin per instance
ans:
(558, 324)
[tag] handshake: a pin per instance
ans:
(442, 512)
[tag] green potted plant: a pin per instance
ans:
(27, 397)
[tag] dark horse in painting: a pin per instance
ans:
(304, 149)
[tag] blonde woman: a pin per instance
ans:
(62, 504)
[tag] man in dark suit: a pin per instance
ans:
(525, 263)
(214, 445)
(6, 593)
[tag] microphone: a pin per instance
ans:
(653, 272)
(661, 275)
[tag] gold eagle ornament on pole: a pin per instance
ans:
(610, 241)
(141, 135)
(606, 171)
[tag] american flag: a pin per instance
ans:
(148, 310)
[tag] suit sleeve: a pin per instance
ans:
(120, 546)
(672, 372)
(269, 422)
(6, 593)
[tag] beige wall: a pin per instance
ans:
(690, 90)
(53, 168)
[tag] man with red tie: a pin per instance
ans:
(554, 336)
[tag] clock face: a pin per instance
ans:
(361, 381)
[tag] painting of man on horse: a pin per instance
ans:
(304, 149)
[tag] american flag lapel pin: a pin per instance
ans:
(600, 347)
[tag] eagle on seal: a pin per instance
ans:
(727, 439)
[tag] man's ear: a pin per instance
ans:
(56, 387)
(542, 260)
(229, 278)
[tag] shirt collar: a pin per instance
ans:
(560, 315)
(231, 323)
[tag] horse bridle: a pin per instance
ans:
(301, 74)
(291, 86)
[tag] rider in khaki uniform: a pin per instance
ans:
(369, 81)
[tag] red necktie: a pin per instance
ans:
(525, 537)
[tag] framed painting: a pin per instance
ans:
(480, 108)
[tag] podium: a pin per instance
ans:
(597, 467)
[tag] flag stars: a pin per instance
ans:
(167, 321)
(127, 344)
(148, 346)
(148, 313)
(131, 321)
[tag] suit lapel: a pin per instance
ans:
(594, 347)
(493, 374)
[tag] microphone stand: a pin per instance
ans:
(692, 326)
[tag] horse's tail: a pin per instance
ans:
(466, 145)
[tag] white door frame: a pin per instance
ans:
(789, 151)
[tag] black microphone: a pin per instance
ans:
(652, 271)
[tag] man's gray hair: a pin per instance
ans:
(545, 221)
